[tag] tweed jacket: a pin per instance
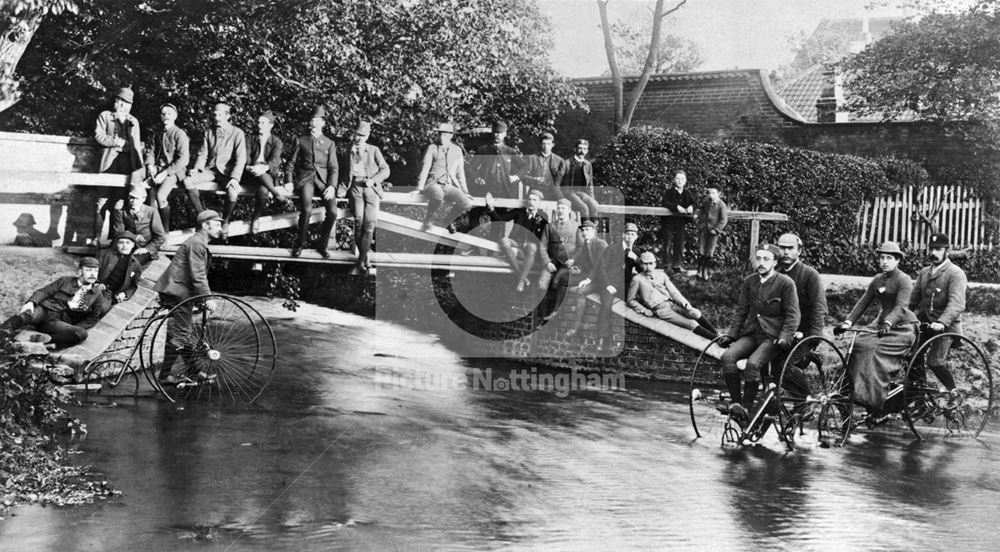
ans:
(443, 165)
(224, 148)
(812, 297)
(940, 296)
(569, 234)
(107, 130)
(56, 296)
(313, 160)
(495, 164)
(545, 174)
(272, 152)
(771, 306)
(647, 291)
(187, 274)
(579, 174)
(146, 225)
(372, 166)
(130, 282)
(892, 292)
(713, 215)
(169, 150)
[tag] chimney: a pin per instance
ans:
(865, 39)
(831, 98)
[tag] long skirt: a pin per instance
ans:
(875, 361)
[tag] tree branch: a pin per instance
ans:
(617, 87)
(284, 79)
(673, 9)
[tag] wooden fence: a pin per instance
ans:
(902, 217)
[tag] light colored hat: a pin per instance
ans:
(125, 94)
(138, 192)
(789, 240)
(268, 115)
(536, 192)
(364, 129)
(445, 127)
(631, 227)
(890, 248)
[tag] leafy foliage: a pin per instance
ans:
(675, 55)
(404, 65)
(944, 67)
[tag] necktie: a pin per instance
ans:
(76, 303)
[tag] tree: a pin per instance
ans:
(675, 55)
(403, 65)
(944, 67)
(822, 46)
(623, 113)
(19, 20)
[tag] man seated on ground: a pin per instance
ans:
(263, 169)
(442, 178)
(530, 230)
(143, 222)
(589, 275)
(763, 327)
(651, 293)
(64, 309)
(939, 300)
(120, 270)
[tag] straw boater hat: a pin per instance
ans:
(890, 248)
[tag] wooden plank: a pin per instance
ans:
(30, 198)
(666, 329)
(412, 228)
(754, 239)
(241, 227)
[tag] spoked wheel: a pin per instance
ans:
(815, 397)
(108, 377)
(228, 353)
(930, 409)
(704, 395)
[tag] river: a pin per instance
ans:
(393, 445)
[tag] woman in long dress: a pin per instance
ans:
(878, 357)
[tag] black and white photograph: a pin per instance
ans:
(568, 275)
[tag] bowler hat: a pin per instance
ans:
(319, 112)
(364, 129)
(631, 227)
(536, 192)
(125, 94)
(939, 240)
(499, 127)
(773, 249)
(89, 262)
(890, 248)
(25, 219)
(125, 235)
(445, 127)
(208, 215)
(588, 224)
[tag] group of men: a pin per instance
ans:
(231, 160)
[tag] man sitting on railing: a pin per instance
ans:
(66, 308)
(221, 159)
(312, 169)
(578, 182)
(651, 293)
(167, 157)
(362, 174)
(118, 132)
(143, 222)
(442, 178)
(588, 275)
(529, 237)
(263, 170)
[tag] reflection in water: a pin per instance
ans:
(389, 445)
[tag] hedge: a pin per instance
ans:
(821, 193)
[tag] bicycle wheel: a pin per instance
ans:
(228, 353)
(704, 395)
(814, 394)
(109, 377)
(930, 408)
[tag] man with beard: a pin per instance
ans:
(119, 273)
(651, 293)
(117, 131)
(939, 300)
(812, 305)
(143, 222)
(221, 159)
(66, 308)
(313, 169)
(763, 327)
(363, 172)
(167, 157)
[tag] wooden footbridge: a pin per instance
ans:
(22, 183)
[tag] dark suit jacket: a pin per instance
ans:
(585, 170)
(56, 296)
(534, 228)
(812, 298)
(672, 199)
(109, 258)
(892, 292)
(772, 307)
(187, 274)
(592, 262)
(619, 262)
(373, 166)
(312, 161)
(535, 170)
(940, 297)
(495, 164)
(272, 152)
(145, 224)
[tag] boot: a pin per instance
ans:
(704, 323)
(733, 385)
(749, 394)
(703, 332)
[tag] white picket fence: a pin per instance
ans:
(953, 209)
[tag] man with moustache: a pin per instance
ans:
(117, 131)
(763, 327)
(530, 236)
(939, 300)
(364, 170)
(143, 222)
(221, 159)
(167, 157)
(442, 178)
(119, 273)
(578, 182)
(263, 169)
(588, 275)
(312, 169)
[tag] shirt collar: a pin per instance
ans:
(941, 267)
(765, 280)
(80, 283)
(790, 267)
